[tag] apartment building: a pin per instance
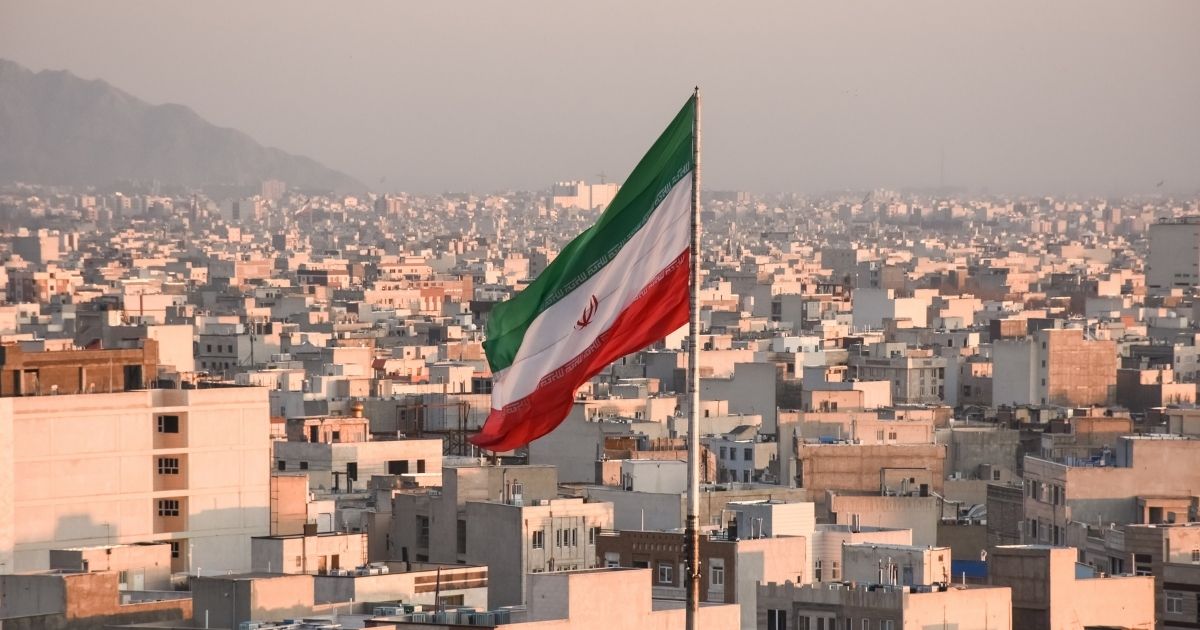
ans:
(508, 518)
(188, 467)
(731, 566)
(839, 605)
(1054, 366)
(1051, 592)
(1125, 486)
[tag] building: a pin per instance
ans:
(343, 466)
(731, 566)
(139, 566)
(507, 518)
(185, 467)
(883, 607)
(319, 553)
(581, 195)
(907, 565)
(1050, 591)
(899, 469)
(1055, 366)
(84, 600)
(1173, 260)
(1125, 486)
(76, 371)
(916, 376)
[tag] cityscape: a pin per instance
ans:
(243, 390)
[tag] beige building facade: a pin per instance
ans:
(188, 467)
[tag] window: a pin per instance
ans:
(716, 574)
(462, 536)
(1141, 564)
(168, 424)
(777, 620)
(748, 454)
(168, 507)
(282, 465)
(866, 624)
(820, 568)
(451, 601)
(420, 465)
(1196, 555)
(558, 538)
(175, 547)
(887, 624)
(423, 532)
(804, 622)
(168, 465)
(666, 573)
(303, 465)
(593, 534)
(539, 539)
(723, 452)
(995, 475)
(836, 572)
(574, 537)
(1174, 603)
(733, 454)
(398, 467)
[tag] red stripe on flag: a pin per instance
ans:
(660, 309)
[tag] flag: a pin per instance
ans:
(618, 287)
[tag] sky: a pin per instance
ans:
(1071, 96)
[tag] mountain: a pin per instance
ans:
(56, 128)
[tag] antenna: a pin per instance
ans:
(603, 177)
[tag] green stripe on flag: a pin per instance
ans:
(668, 161)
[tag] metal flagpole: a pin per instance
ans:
(692, 532)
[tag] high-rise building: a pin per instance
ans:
(273, 189)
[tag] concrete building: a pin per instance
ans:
(1128, 487)
(139, 567)
(581, 195)
(343, 466)
(731, 566)
(76, 371)
(883, 607)
(1173, 260)
(603, 599)
(507, 518)
(899, 469)
(225, 601)
(916, 376)
(1050, 593)
(186, 467)
(906, 565)
(1054, 367)
(84, 600)
(322, 554)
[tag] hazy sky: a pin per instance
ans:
(1063, 96)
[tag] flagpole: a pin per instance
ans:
(692, 531)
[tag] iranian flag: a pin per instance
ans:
(618, 287)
